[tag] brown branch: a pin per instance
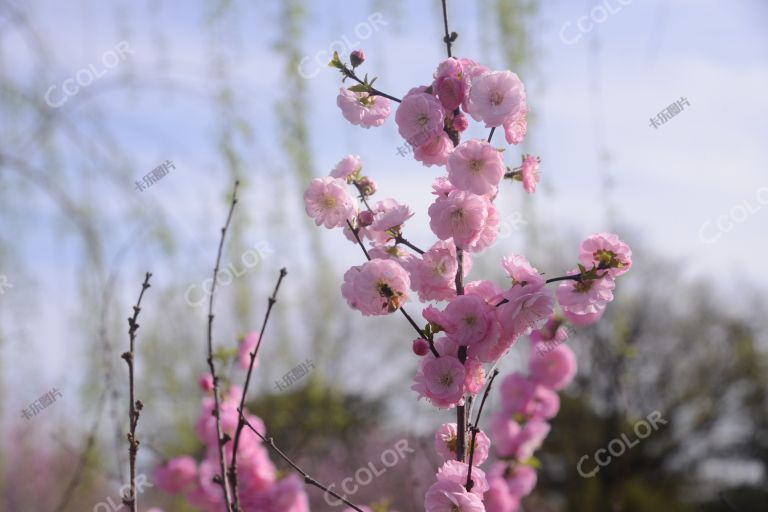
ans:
(475, 429)
(241, 422)
(307, 479)
(220, 479)
(135, 406)
(490, 135)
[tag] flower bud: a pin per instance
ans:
(357, 57)
(206, 382)
(460, 122)
(367, 186)
(420, 347)
(365, 218)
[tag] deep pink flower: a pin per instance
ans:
(206, 382)
(419, 118)
(377, 287)
(496, 97)
(530, 173)
(449, 86)
(347, 167)
(587, 296)
(361, 109)
(476, 166)
(555, 369)
(450, 496)
(328, 203)
(460, 216)
(608, 250)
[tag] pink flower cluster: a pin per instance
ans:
(260, 489)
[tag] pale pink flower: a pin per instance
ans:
(455, 471)
(377, 287)
(489, 232)
(476, 166)
(531, 438)
(460, 216)
(435, 151)
(359, 108)
(471, 71)
(583, 320)
(389, 215)
(442, 187)
(587, 296)
(555, 369)
(553, 333)
(528, 307)
(520, 270)
(419, 118)
(496, 97)
(517, 394)
(328, 203)
(530, 173)
(446, 439)
(434, 275)
(545, 403)
(475, 376)
(516, 128)
(248, 345)
(176, 475)
(505, 432)
(486, 289)
(450, 496)
(440, 380)
(435, 317)
(392, 252)
(519, 478)
(498, 498)
(347, 167)
(472, 320)
(482, 448)
(608, 250)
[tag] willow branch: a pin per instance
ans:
(134, 406)
(307, 479)
(221, 440)
(241, 422)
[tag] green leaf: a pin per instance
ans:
(336, 61)
(358, 88)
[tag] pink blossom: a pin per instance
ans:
(440, 380)
(435, 151)
(248, 345)
(528, 307)
(587, 296)
(516, 128)
(356, 58)
(530, 173)
(460, 216)
(505, 432)
(545, 403)
(176, 475)
(489, 232)
(475, 376)
(420, 347)
(206, 382)
(471, 71)
(472, 320)
(286, 495)
(607, 250)
(482, 447)
(496, 97)
(516, 394)
(475, 166)
(519, 478)
(327, 202)
(449, 85)
(389, 215)
(486, 289)
(359, 108)
(455, 471)
(446, 439)
(460, 122)
(347, 167)
(442, 187)
(583, 320)
(450, 496)
(392, 252)
(435, 317)
(419, 118)
(376, 287)
(520, 270)
(498, 498)
(530, 438)
(553, 333)
(555, 369)
(434, 275)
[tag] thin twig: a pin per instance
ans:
(490, 135)
(307, 479)
(372, 91)
(220, 479)
(475, 429)
(135, 406)
(241, 422)
(449, 38)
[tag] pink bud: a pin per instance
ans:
(420, 347)
(367, 186)
(365, 218)
(206, 382)
(460, 123)
(357, 57)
